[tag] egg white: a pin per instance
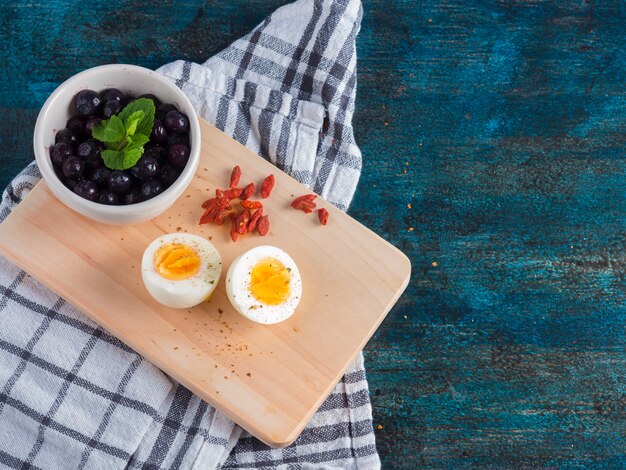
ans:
(183, 293)
(238, 286)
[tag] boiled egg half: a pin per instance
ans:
(181, 270)
(264, 285)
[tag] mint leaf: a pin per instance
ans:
(113, 159)
(142, 104)
(137, 140)
(133, 121)
(131, 156)
(111, 130)
(126, 134)
(122, 159)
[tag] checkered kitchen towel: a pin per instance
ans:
(72, 396)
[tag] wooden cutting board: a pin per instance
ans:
(268, 379)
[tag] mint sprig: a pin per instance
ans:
(126, 134)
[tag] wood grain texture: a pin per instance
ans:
(509, 352)
(268, 379)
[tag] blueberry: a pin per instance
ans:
(150, 188)
(169, 175)
(89, 150)
(158, 134)
(146, 168)
(100, 176)
(155, 151)
(112, 94)
(173, 138)
(87, 190)
(150, 96)
(109, 198)
(90, 123)
(164, 109)
(77, 124)
(59, 151)
(177, 122)
(73, 167)
(132, 198)
(67, 136)
(120, 182)
(94, 162)
(111, 107)
(87, 102)
(86, 148)
(70, 183)
(177, 155)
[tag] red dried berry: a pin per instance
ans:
(304, 198)
(267, 186)
(208, 216)
(254, 220)
(305, 203)
(322, 214)
(263, 226)
(242, 221)
(235, 176)
(304, 206)
(251, 204)
(233, 227)
(248, 191)
(232, 193)
(220, 202)
(219, 218)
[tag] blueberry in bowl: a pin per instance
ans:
(126, 142)
(117, 143)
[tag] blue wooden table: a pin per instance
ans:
(494, 143)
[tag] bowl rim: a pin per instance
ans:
(45, 164)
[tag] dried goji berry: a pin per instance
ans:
(267, 186)
(232, 193)
(242, 221)
(234, 177)
(233, 227)
(219, 218)
(220, 202)
(209, 202)
(251, 204)
(204, 218)
(304, 206)
(213, 207)
(248, 191)
(208, 216)
(254, 220)
(306, 198)
(263, 226)
(304, 203)
(323, 216)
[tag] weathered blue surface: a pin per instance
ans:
(509, 119)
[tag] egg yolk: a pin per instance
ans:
(269, 281)
(176, 261)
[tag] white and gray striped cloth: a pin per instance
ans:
(73, 396)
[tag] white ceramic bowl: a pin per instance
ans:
(132, 80)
